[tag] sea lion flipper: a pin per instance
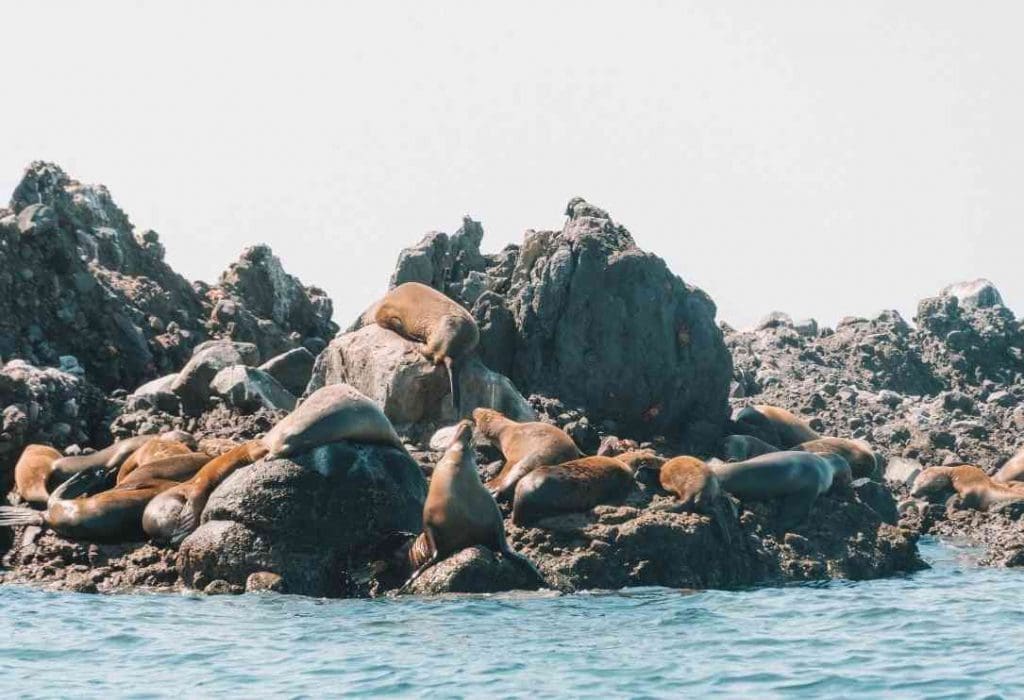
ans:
(14, 516)
(453, 385)
(188, 521)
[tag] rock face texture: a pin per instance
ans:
(585, 315)
(77, 279)
(314, 521)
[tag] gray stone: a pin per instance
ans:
(249, 389)
(902, 471)
(292, 369)
(974, 294)
(193, 382)
(475, 570)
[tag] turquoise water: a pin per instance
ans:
(954, 630)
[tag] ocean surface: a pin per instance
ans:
(955, 630)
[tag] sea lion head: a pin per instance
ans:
(463, 435)
(486, 420)
(933, 483)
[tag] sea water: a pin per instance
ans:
(954, 630)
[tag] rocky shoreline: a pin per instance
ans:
(578, 327)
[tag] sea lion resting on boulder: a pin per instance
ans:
(155, 449)
(975, 489)
(37, 474)
(525, 447)
(788, 430)
(1012, 470)
(175, 513)
(459, 512)
(447, 333)
(331, 414)
(858, 454)
(571, 487)
(795, 478)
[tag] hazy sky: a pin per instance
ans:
(825, 159)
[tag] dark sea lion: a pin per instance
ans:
(736, 448)
(155, 449)
(795, 478)
(32, 472)
(785, 426)
(571, 487)
(331, 414)
(459, 512)
(177, 468)
(1012, 470)
(113, 515)
(175, 513)
(525, 447)
(975, 489)
(858, 454)
(446, 332)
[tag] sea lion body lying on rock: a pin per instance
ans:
(175, 513)
(177, 468)
(571, 487)
(795, 478)
(687, 478)
(789, 430)
(525, 447)
(445, 330)
(858, 454)
(155, 449)
(32, 472)
(1012, 470)
(459, 512)
(736, 448)
(110, 516)
(975, 489)
(334, 413)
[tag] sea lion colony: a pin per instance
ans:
(158, 486)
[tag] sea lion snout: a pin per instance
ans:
(463, 434)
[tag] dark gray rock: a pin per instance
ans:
(475, 570)
(292, 369)
(249, 389)
(193, 382)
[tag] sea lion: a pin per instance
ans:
(112, 515)
(785, 426)
(109, 457)
(525, 447)
(155, 449)
(459, 512)
(1012, 470)
(692, 481)
(331, 414)
(177, 468)
(611, 446)
(796, 478)
(858, 454)
(175, 513)
(975, 489)
(736, 448)
(32, 472)
(571, 487)
(446, 332)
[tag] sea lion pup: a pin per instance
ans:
(331, 414)
(687, 478)
(858, 454)
(175, 513)
(446, 332)
(32, 472)
(736, 448)
(156, 448)
(571, 487)
(789, 429)
(796, 478)
(459, 512)
(110, 516)
(1012, 470)
(975, 489)
(525, 447)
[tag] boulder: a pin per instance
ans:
(475, 570)
(292, 369)
(313, 521)
(979, 293)
(249, 389)
(193, 382)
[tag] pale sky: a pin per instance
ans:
(821, 158)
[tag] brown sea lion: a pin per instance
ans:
(459, 512)
(525, 447)
(175, 513)
(113, 515)
(692, 482)
(858, 454)
(177, 468)
(446, 332)
(112, 456)
(331, 414)
(571, 487)
(156, 448)
(795, 478)
(789, 430)
(975, 489)
(32, 472)
(736, 448)
(1012, 470)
